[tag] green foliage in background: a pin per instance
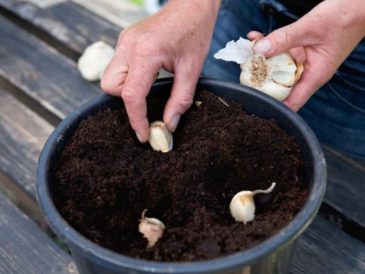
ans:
(138, 2)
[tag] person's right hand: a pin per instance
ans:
(176, 39)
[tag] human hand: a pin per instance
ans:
(176, 39)
(322, 39)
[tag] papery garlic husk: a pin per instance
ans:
(94, 60)
(160, 137)
(242, 205)
(273, 76)
(151, 228)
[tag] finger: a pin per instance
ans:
(295, 35)
(114, 75)
(298, 54)
(254, 35)
(303, 90)
(182, 95)
(135, 89)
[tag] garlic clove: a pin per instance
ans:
(283, 78)
(160, 137)
(282, 62)
(242, 205)
(94, 60)
(298, 72)
(275, 90)
(151, 228)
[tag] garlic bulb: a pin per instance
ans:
(274, 76)
(94, 60)
(242, 206)
(151, 228)
(160, 137)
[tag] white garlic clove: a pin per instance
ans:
(160, 137)
(151, 228)
(283, 78)
(94, 60)
(277, 91)
(282, 62)
(242, 205)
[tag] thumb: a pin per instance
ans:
(283, 39)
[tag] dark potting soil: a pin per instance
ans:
(105, 178)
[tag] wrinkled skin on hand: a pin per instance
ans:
(176, 39)
(322, 39)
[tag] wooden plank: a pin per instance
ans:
(346, 186)
(326, 249)
(23, 134)
(122, 12)
(41, 72)
(24, 248)
(69, 24)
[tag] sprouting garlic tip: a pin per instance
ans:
(151, 228)
(160, 137)
(242, 205)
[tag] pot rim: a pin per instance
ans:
(247, 257)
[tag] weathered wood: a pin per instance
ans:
(23, 134)
(66, 22)
(24, 248)
(326, 249)
(346, 186)
(41, 72)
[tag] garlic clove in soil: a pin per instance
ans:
(94, 60)
(160, 137)
(273, 76)
(242, 206)
(151, 228)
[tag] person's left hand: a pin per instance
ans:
(321, 39)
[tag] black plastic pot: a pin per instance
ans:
(271, 256)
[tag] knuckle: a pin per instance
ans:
(107, 86)
(283, 38)
(128, 96)
(185, 101)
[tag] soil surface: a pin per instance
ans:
(105, 179)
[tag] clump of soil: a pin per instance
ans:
(105, 179)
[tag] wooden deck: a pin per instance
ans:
(40, 41)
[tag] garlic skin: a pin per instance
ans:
(94, 60)
(151, 228)
(160, 137)
(242, 205)
(273, 76)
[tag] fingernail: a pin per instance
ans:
(174, 122)
(139, 137)
(262, 46)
